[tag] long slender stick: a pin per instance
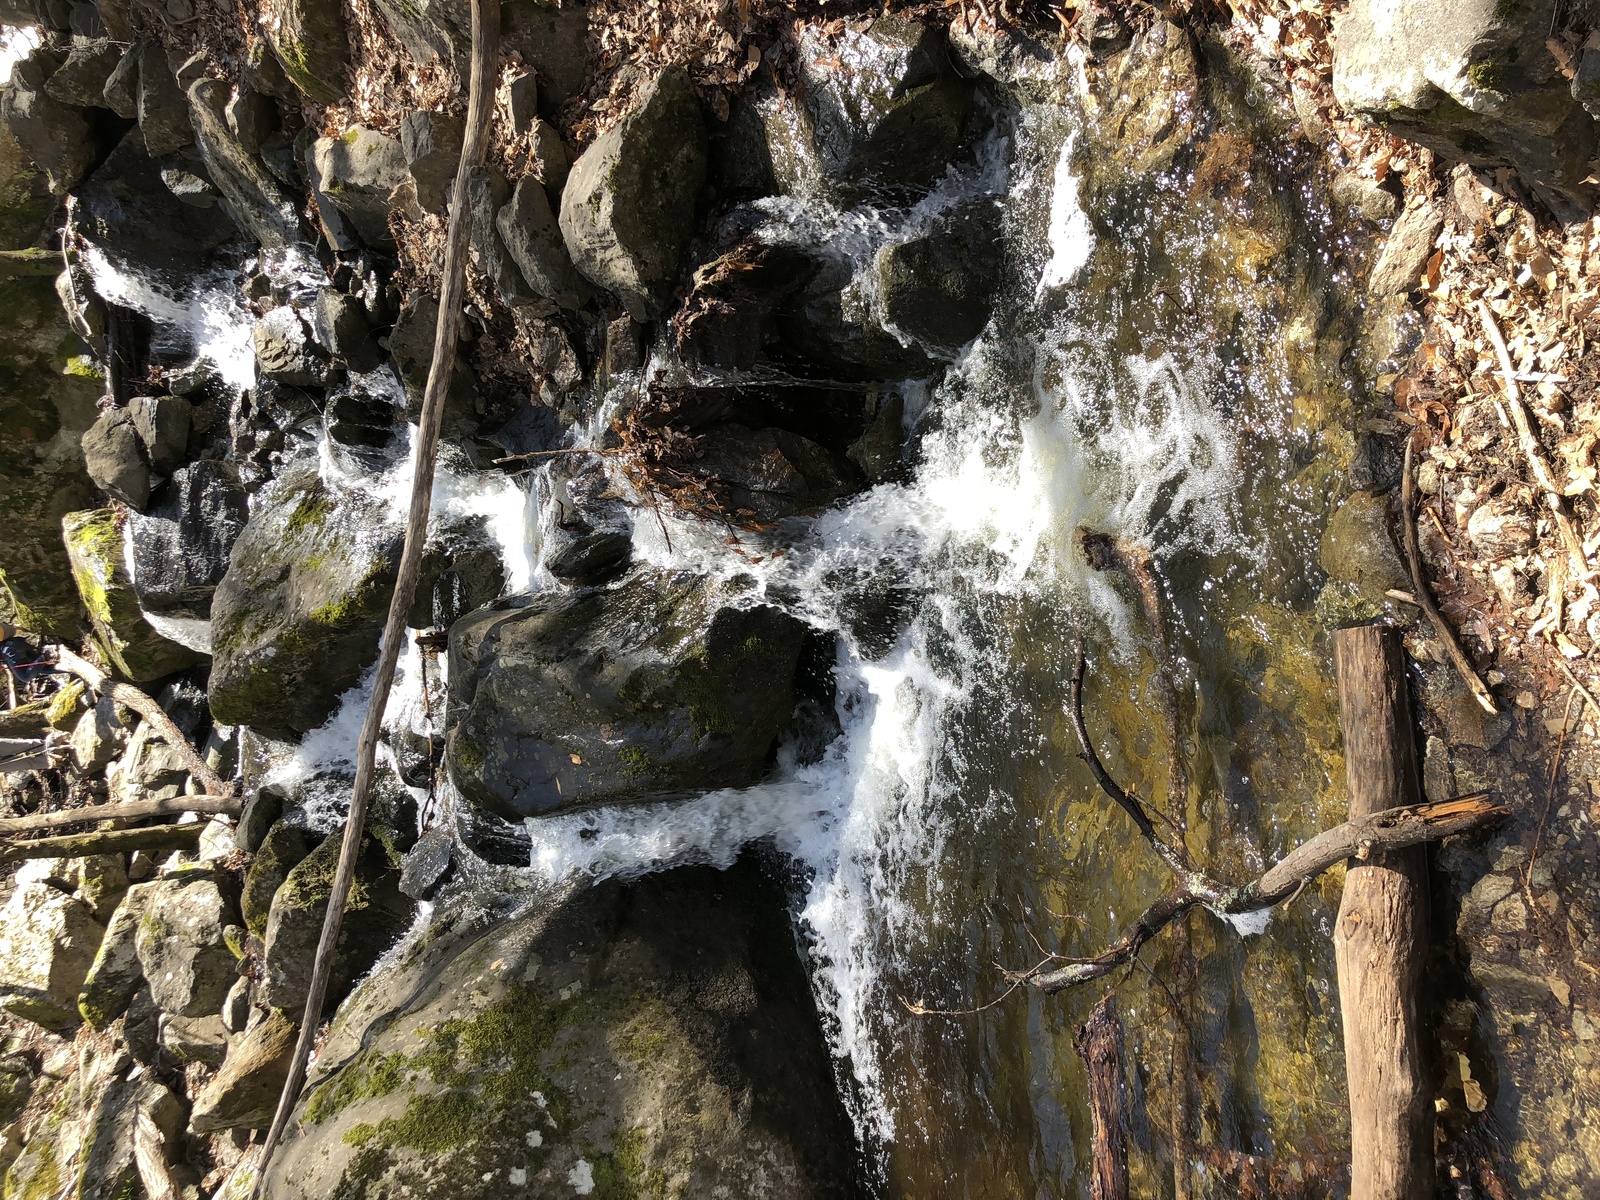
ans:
(136, 810)
(1423, 598)
(452, 298)
(131, 697)
(105, 841)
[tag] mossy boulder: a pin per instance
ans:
(296, 619)
(309, 39)
(131, 644)
(375, 917)
(649, 1039)
(117, 972)
(243, 1094)
(657, 686)
(283, 849)
(179, 940)
(627, 211)
(48, 941)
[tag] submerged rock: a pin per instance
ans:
(48, 942)
(938, 286)
(628, 208)
(631, 1039)
(1358, 549)
(658, 686)
(296, 619)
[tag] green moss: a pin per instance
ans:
(361, 1080)
(638, 762)
(1490, 76)
(309, 515)
(625, 1173)
(66, 706)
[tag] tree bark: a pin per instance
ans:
(107, 841)
(1380, 940)
(1098, 1042)
(134, 810)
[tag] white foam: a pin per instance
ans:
(1249, 924)
(1071, 233)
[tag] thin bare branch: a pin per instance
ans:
(138, 810)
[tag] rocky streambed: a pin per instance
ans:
(729, 734)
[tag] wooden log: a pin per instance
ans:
(1380, 940)
(1098, 1041)
(136, 810)
(106, 841)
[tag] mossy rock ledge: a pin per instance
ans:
(654, 1039)
(296, 619)
(658, 686)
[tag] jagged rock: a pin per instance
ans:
(121, 91)
(109, 1171)
(772, 473)
(179, 941)
(741, 160)
(894, 121)
(113, 458)
(1366, 197)
(656, 1035)
(54, 135)
(830, 321)
(588, 533)
(528, 229)
(150, 769)
(431, 142)
(117, 973)
(162, 423)
(308, 37)
(427, 865)
(194, 190)
(295, 621)
(461, 571)
(628, 208)
(363, 429)
(252, 116)
(522, 102)
(97, 738)
(243, 1094)
(181, 545)
(1357, 548)
(375, 918)
(340, 325)
(657, 686)
(358, 172)
(551, 162)
(1472, 81)
(163, 109)
(286, 352)
(236, 1008)
(259, 203)
(131, 644)
(48, 942)
(141, 1026)
(938, 286)
(1019, 60)
(284, 848)
(411, 346)
(1406, 252)
(193, 1039)
(489, 193)
(81, 80)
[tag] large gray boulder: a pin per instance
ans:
(938, 285)
(308, 37)
(48, 942)
(296, 619)
(179, 940)
(114, 458)
(56, 136)
(163, 109)
(357, 172)
(627, 211)
(532, 238)
(654, 1038)
(658, 686)
(1473, 81)
(81, 79)
(431, 142)
(182, 543)
(116, 973)
(259, 203)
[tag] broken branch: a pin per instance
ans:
(106, 841)
(138, 810)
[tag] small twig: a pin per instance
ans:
(131, 697)
(533, 454)
(1424, 598)
(138, 810)
(1531, 449)
(1582, 691)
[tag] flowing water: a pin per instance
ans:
(1163, 366)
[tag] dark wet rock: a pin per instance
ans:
(340, 325)
(830, 323)
(363, 429)
(126, 209)
(94, 542)
(1406, 252)
(1152, 102)
(56, 136)
(880, 450)
(376, 916)
(938, 285)
(121, 90)
(252, 117)
(243, 1094)
(286, 352)
(47, 945)
(431, 143)
(113, 458)
(109, 1171)
(658, 1035)
(729, 318)
(588, 533)
(81, 80)
(461, 571)
(257, 200)
(181, 545)
(528, 230)
(896, 117)
(628, 207)
(740, 159)
(1471, 81)
(163, 108)
(769, 474)
(308, 37)
(411, 345)
(262, 809)
(162, 423)
(1358, 549)
(1017, 59)
(358, 171)
(117, 972)
(295, 621)
(284, 848)
(427, 866)
(659, 686)
(179, 940)
(489, 193)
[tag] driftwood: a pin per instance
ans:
(1098, 1041)
(138, 810)
(1422, 597)
(105, 841)
(1380, 939)
(131, 697)
(452, 300)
